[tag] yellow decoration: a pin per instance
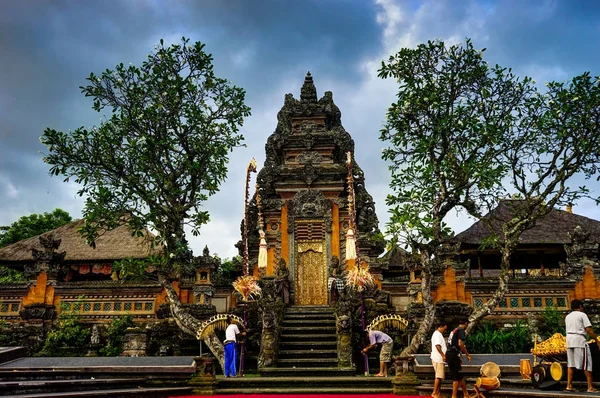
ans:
(388, 321)
(216, 322)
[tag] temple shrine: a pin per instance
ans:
(304, 197)
(303, 206)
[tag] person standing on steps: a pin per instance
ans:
(229, 345)
(387, 344)
(438, 357)
(456, 345)
(579, 356)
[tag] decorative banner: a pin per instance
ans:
(351, 250)
(247, 286)
(359, 278)
(251, 168)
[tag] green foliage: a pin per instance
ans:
(137, 269)
(553, 321)
(228, 271)
(445, 132)
(116, 336)
(68, 332)
(162, 150)
(9, 275)
(487, 338)
(35, 224)
(68, 336)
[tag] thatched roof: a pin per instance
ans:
(554, 228)
(112, 245)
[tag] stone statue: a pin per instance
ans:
(282, 282)
(334, 267)
(335, 283)
(95, 338)
(344, 340)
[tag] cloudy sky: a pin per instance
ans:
(47, 48)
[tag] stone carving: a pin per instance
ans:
(136, 342)
(95, 337)
(38, 312)
(309, 204)
(282, 282)
(46, 260)
(270, 336)
(581, 254)
(269, 339)
(310, 157)
(344, 341)
(336, 281)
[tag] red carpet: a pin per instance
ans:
(308, 396)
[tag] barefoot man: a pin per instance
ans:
(579, 356)
(438, 357)
(376, 337)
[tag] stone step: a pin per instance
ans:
(307, 362)
(352, 384)
(309, 310)
(307, 329)
(308, 322)
(312, 353)
(307, 337)
(142, 392)
(316, 345)
(39, 386)
(306, 372)
(309, 389)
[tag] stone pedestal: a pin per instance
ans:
(405, 382)
(204, 381)
(136, 342)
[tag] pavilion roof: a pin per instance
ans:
(112, 245)
(554, 228)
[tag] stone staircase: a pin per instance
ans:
(307, 362)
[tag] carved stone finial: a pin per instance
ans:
(205, 252)
(308, 92)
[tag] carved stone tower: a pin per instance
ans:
(304, 195)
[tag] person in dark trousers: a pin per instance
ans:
(456, 346)
(579, 356)
(387, 344)
(230, 347)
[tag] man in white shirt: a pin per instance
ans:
(438, 357)
(230, 347)
(579, 355)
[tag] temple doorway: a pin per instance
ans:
(310, 275)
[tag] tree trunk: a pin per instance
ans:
(429, 316)
(490, 305)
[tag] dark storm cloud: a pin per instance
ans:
(48, 48)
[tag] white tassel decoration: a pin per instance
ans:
(350, 245)
(262, 250)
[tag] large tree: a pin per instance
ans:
(159, 153)
(457, 132)
(554, 149)
(32, 225)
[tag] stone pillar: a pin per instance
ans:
(136, 342)
(204, 381)
(405, 381)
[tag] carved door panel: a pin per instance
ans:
(310, 282)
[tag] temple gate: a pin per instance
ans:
(304, 197)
